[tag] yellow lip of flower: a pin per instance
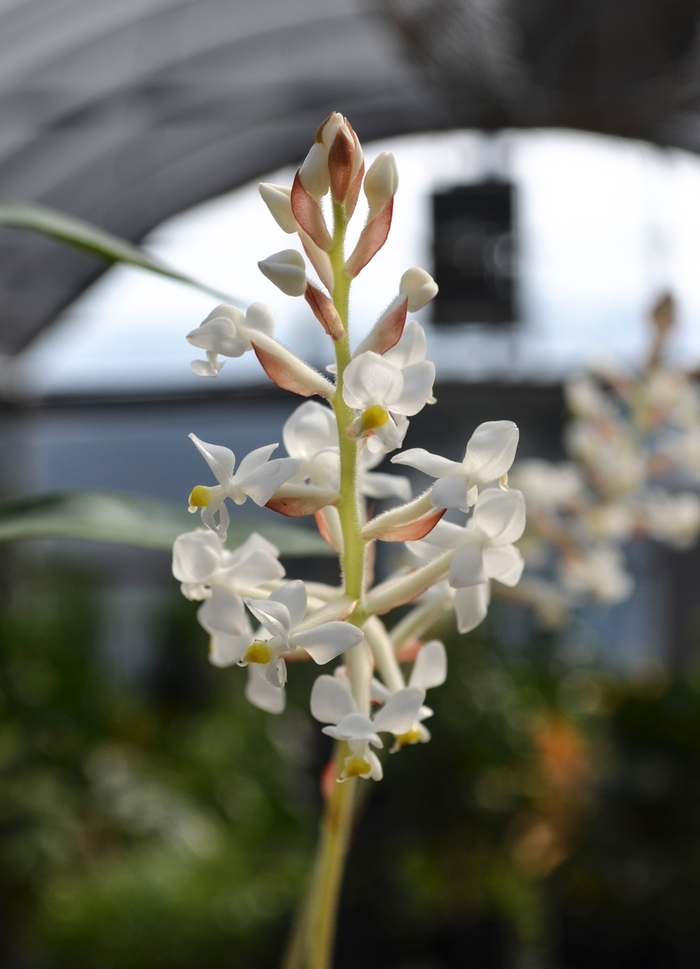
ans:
(258, 653)
(375, 416)
(356, 767)
(200, 496)
(411, 736)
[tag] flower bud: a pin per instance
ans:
(326, 131)
(341, 162)
(419, 286)
(314, 173)
(276, 198)
(287, 270)
(381, 182)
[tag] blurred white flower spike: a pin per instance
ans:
(334, 444)
(633, 474)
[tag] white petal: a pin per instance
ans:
(276, 198)
(331, 700)
(430, 667)
(207, 368)
(432, 464)
(324, 643)
(227, 650)
(310, 429)
(196, 556)
(220, 459)
(223, 613)
(370, 379)
(220, 336)
(257, 568)
(254, 543)
(491, 450)
(293, 596)
(400, 711)
(411, 348)
(273, 615)
(259, 318)
(471, 605)
(261, 483)
(450, 492)
(255, 459)
(376, 772)
(418, 380)
(261, 693)
(389, 436)
(209, 517)
(501, 515)
(467, 566)
(355, 726)
(504, 564)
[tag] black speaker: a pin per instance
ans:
(474, 254)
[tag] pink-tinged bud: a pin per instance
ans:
(287, 270)
(325, 312)
(314, 173)
(381, 182)
(319, 259)
(397, 517)
(296, 501)
(419, 287)
(308, 214)
(371, 240)
(341, 161)
(388, 329)
(358, 171)
(327, 129)
(276, 198)
(287, 370)
(410, 532)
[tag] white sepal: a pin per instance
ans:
(276, 198)
(287, 270)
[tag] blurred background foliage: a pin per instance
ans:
(553, 819)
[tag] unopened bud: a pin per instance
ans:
(287, 270)
(326, 131)
(381, 182)
(314, 172)
(419, 287)
(276, 198)
(341, 161)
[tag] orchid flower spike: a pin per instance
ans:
(257, 477)
(332, 702)
(225, 332)
(489, 456)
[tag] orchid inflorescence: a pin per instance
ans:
(333, 447)
(634, 441)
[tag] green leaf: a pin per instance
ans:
(96, 241)
(131, 520)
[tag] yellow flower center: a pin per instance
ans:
(411, 736)
(258, 653)
(356, 766)
(375, 416)
(200, 496)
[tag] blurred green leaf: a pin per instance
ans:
(96, 241)
(131, 520)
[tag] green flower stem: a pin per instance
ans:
(321, 910)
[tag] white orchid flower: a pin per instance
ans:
(489, 456)
(257, 477)
(483, 550)
(224, 617)
(201, 561)
(598, 572)
(284, 631)
(429, 670)
(332, 702)
(385, 393)
(225, 332)
(311, 436)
